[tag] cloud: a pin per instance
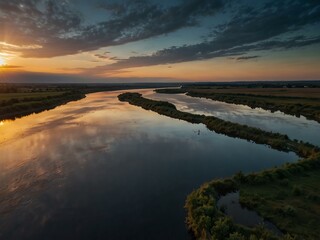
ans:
(61, 30)
(196, 52)
(9, 67)
(102, 56)
(249, 30)
(247, 57)
(36, 77)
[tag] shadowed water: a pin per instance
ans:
(295, 127)
(241, 215)
(101, 169)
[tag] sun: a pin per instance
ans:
(2, 61)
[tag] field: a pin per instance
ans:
(21, 96)
(308, 93)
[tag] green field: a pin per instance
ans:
(21, 96)
(17, 102)
(275, 92)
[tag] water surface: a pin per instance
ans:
(241, 215)
(102, 169)
(295, 127)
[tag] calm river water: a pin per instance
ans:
(295, 127)
(101, 169)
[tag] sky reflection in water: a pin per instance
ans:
(296, 128)
(102, 169)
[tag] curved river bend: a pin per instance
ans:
(295, 127)
(101, 169)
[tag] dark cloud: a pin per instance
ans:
(35, 22)
(34, 77)
(198, 52)
(247, 57)
(249, 30)
(58, 29)
(101, 56)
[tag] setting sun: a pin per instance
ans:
(2, 61)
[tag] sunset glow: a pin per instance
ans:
(210, 41)
(2, 61)
(148, 119)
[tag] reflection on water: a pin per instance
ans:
(240, 215)
(296, 128)
(101, 169)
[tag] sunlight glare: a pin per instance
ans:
(2, 61)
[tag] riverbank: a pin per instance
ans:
(19, 105)
(205, 220)
(286, 196)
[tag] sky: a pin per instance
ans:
(168, 40)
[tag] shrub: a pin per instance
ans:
(222, 228)
(236, 236)
(288, 210)
(297, 191)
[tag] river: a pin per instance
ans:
(98, 168)
(295, 127)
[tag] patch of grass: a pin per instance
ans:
(296, 215)
(30, 95)
(15, 105)
(297, 211)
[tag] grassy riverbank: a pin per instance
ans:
(293, 101)
(282, 205)
(13, 105)
(287, 196)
